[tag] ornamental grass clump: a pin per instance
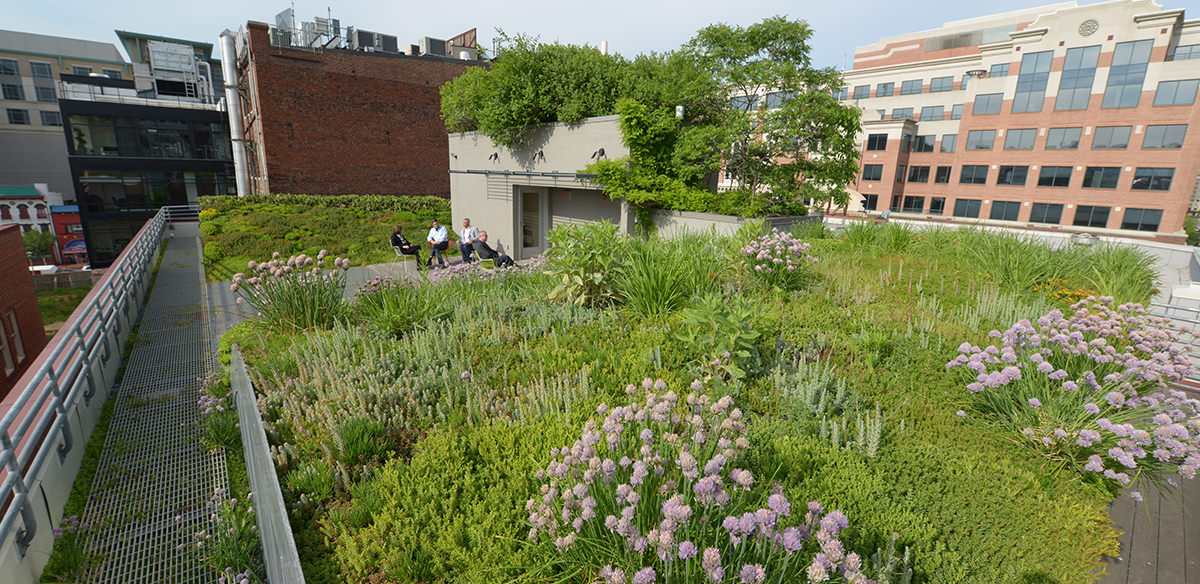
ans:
(778, 259)
(651, 492)
(294, 295)
(1090, 391)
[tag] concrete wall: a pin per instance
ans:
(35, 157)
(675, 223)
(484, 187)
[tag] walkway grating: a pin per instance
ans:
(154, 478)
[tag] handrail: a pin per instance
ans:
(66, 375)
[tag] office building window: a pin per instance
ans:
(872, 172)
(112, 73)
(19, 117)
(940, 84)
(963, 84)
(1054, 176)
(1022, 139)
(987, 103)
(81, 70)
(885, 89)
(46, 94)
(966, 208)
(1031, 82)
(905, 142)
(913, 204)
(937, 205)
(839, 93)
(949, 141)
(1091, 216)
(1166, 136)
(1046, 213)
(974, 174)
(1005, 210)
(14, 335)
(1141, 219)
(1078, 75)
(897, 201)
(1184, 52)
(12, 91)
(1101, 177)
(911, 87)
(1126, 74)
(924, 143)
(981, 139)
(51, 118)
(942, 176)
(1012, 175)
(1152, 179)
(6, 354)
(9, 67)
(933, 113)
(918, 174)
(775, 99)
(41, 70)
(746, 103)
(1176, 92)
(870, 202)
(1111, 137)
(1063, 138)
(862, 91)
(877, 142)
(956, 112)
(900, 170)
(902, 113)
(998, 70)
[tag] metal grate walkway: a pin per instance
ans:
(154, 477)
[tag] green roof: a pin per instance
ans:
(19, 192)
(128, 36)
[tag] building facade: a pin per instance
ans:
(1062, 117)
(21, 334)
(341, 121)
(31, 146)
(132, 149)
(27, 206)
(70, 246)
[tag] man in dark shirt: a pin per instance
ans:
(486, 252)
(401, 243)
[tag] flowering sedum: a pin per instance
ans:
(1091, 389)
(778, 259)
(651, 492)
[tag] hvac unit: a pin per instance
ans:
(387, 43)
(432, 46)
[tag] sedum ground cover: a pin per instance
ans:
(444, 430)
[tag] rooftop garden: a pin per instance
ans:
(880, 405)
(780, 140)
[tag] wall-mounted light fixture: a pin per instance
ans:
(599, 154)
(495, 156)
(539, 156)
(978, 73)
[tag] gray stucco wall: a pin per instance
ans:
(31, 157)
(480, 189)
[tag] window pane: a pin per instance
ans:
(1022, 139)
(46, 94)
(1005, 210)
(911, 87)
(914, 204)
(902, 113)
(966, 208)
(924, 143)
(1031, 82)
(1152, 179)
(884, 89)
(1101, 177)
(949, 141)
(987, 103)
(1127, 73)
(956, 112)
(18, 117)
(1176, 92)
(1089, 216)
(1012, 175)
(981, 139)
(1141, 219)
(1054, 176)
(877, 142)
(999, 70)
(943, 175)
(41, 70)
(51, 118)
(1166, 136)
(932, 113)
(918, 174)
(939, 84)
(9, 67)
(1078, 76)
(1063, 138)
(1046, 213)
(872, 172)
(937, 205)
(1111, 137)
(80, 70)
(12, 91)
(974, 174)
(861, 91)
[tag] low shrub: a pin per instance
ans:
(722, 336)
(1089, 391)
(582, 259)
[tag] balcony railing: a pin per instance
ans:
(51, 411)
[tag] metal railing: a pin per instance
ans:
(55, 395)
(1183, 316)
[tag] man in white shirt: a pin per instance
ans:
(439, 241)
(466, 243)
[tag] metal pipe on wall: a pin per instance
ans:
(233, 104)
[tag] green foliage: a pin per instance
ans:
(232, 542)
(393, 308)
(313, 479)
(582, 259)
(658, 277)
(37, 242)
(362, 440)
(1191, 227)
(57, 305)
(723, 335)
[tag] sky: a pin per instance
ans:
(630, 26)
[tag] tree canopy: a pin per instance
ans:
(800, 145)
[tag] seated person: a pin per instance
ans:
(439, 241)
(466, 243)
(401, 243)
(486, 252)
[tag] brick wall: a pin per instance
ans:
(344, 122)
(17, 297)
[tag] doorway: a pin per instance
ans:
(531, 229)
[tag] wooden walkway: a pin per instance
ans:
(1161, 539)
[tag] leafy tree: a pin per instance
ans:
(1193, 232)
(38, 243)
(810, 131)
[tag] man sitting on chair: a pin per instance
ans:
(402, 245)
(486, 252)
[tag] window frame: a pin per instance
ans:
(1052, 144)
(877, 174)
(1153, 178)
(22, 112)
(886, 89)
(953, 143)
(1014, 171)
(1051, 180)
(918, 174)
(872, 140)
(1026, 138)
(975, 178)
(941, 84)
(14, 336)
(5, 63)
(1176, 87)
(1091, 216)
(941, 176)
(1111, 132)
(907, 87)
(1141, 219)
(33, 70)
(1034, 76)
(992, 104)
(1127, 74)
(977, 137)
(1043, 211)
(12, 91)
(1164, 130)
(940, 110)
(970, 208)
(57, 116)
(937, 206)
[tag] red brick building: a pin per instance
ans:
(70, 248)
(21, 334)
(336, 121)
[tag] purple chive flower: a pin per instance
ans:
(1091, 408)
(687, 550)
(960, 414)
(779, 504)
(711, 563)
(644, 576)
(1035, 402)
(1136, 496)
(752, 574)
